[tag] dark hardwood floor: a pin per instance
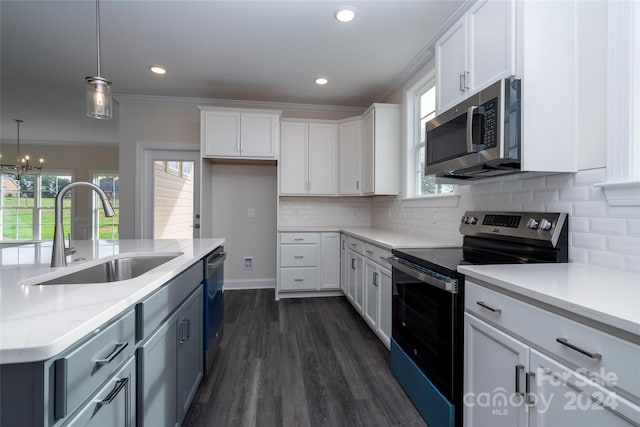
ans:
(299, 362)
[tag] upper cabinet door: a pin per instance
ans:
(350, 157)
(368, 154)
(322, 158)
(221, 133)
(293, 158)
(451, 66)
(491, 42)
(258, 138)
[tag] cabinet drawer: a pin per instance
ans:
(154, 309)
(299, 256)
(299, 238)
(355, 245)
(113, 404)
(377, 254)
(608, 355)
(78, 374)
(298, 279)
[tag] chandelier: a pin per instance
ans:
(22, 167)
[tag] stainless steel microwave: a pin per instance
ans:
(478, 138)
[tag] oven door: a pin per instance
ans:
(425, 320)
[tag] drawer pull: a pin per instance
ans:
(109, 358)
(370, 252)
(298, 280)
(589, 354)
(298, 257)
(299, 239)
(519, 369)
(354, 244)
(120, 384)
(488, 307)
(384, 258)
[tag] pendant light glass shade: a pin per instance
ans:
(98, 95)
(98, 90)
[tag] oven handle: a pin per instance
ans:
(450, 285)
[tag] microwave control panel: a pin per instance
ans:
(490, 125)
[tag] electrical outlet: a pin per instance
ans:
(247, 263)
(251, 213)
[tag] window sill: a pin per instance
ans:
(433, 201)
(621, 193)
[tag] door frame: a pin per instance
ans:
(146, 153)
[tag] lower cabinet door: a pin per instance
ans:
(190, 351)
(494, 382)
(359, 279)
(371, 294)
(114, 404)
(157, 368)
(562, 397)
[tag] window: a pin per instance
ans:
(106, 228)
(421, 107)
(27, 206)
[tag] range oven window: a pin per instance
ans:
(424, 321)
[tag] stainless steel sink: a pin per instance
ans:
(111, 271)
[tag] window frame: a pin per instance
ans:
(96, 206)
(411, 197)
(37, 208)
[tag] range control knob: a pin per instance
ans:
(472, 220)
(532, 224)
(464, 219)
(545, 224)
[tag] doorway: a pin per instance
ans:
(171, 205)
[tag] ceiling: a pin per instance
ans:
(243, 50)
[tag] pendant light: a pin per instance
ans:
(22, 167)
(98, 91)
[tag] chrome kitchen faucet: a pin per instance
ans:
(60, 252)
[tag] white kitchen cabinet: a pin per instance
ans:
(385, 303)
(308, 262)
(308, 158)
(239, 133)
(355, 280)
(476, 51)
(350, 157)
(329, 261)
(509, 381)
(380, 159)
(371, 293)
(344, 263)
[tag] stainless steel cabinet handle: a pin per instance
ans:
(357, 184)
(120, 384)
(298, 280)
(353, 266)
(354, 244)
(298, 256)
(519, 369)
(461, 82)
(529, 400)
(589, 354)
(370, 252)
(111, 356)
(298, 239)
(375, 279)
(188, 323)
(488, 307)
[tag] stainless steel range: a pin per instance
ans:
(428, 301)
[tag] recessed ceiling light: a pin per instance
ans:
(345, 14)
(321, 81)
(158, 69)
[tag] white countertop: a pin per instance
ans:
(387, 239)
(608, 296)
(38, 322)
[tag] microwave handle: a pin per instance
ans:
(471, 147)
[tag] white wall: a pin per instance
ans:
(235, 190)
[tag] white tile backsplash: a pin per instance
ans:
(598, 234)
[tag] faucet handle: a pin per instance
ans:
(69, 250)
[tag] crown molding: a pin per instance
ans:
(425, 55)
(288, 109)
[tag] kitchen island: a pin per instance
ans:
(95, 354)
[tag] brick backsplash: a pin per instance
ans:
(599, 234)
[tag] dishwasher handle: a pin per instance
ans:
(215, 261)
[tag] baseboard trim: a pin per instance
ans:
(237, 284)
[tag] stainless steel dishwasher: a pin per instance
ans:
(213, 305)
